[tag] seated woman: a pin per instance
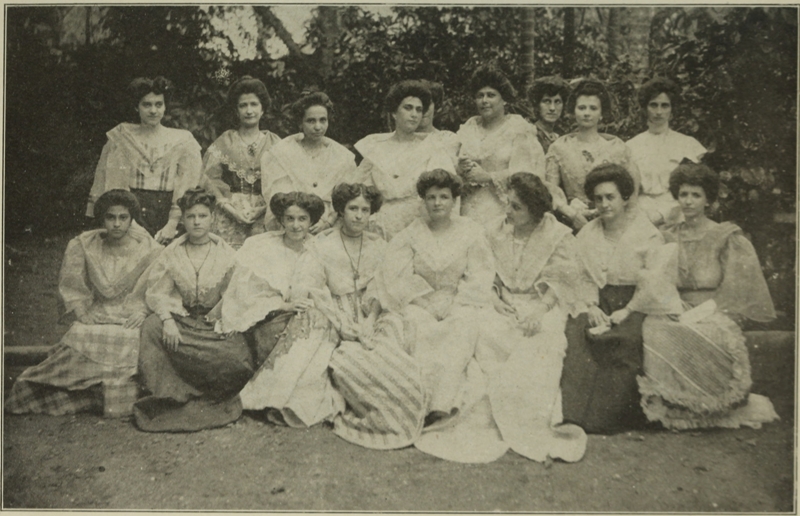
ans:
(309, 161)
(598, 382)
(158, 164)
(192, 374)
(258, 300)
(697, 372)
(393, 161)
(94, 364)
(438, 276)
(232, 164)
(522, 351)
(659, 150)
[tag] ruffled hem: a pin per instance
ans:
(756, 410)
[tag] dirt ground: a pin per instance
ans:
(87, 462)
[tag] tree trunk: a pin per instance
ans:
(529, 44)
(330, 22)
(569, 43)
(628, 34)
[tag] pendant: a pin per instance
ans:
(356, 276)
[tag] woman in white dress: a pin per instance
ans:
(494, 145)
(447, 139)
(232, 164)
(308, 161)
(659, 150)
(393, 161)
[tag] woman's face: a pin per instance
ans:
(550, 108)
(588, 111)
(296, 221)
(693, 201)
(151, 109)
(356, 215)
(315, 123)
(609, 201)
(659, 110)
(249, 110)
(408, 115)
(197, 221)
(117, 222)
(489, 102)
(517, 212)
(439, 203)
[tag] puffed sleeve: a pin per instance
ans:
(162, 296)
(190, 169)
(396, 284)
(562, 274)
(248, 298)
(99, 184)
(527, 154)
(552, 177)
(73, 283)
(363, 173)
(743, 290)
(212, 174)
(476, 285)
(656, 285)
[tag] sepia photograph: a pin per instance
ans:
(460, 258)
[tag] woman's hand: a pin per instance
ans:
(320, 226)
(504, 308)
(134, 321)
(476, 174)
(465, 165)
(171, 335)
(236, 214)
(533, 322)
(168, 232)
(86, 318)
(578, 221)
(597, 317)
(297, 305)
(620, 315)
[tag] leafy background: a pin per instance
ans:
(67, 69)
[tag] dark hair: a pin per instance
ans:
(549, 86)
(609, 173)
(404, 89)
(346, 192)
(437, 91)
(195, 196)
(311, 203)
(247, 85)
(489, 76)
(591, 88)
(316, 98)
(655, 87)
(532, 192)
(438, 178)
(694, 174)
(143, 86)
(117, 197)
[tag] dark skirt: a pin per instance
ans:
(155, 208)
(263, 336)
(195, 387)
(598, 383)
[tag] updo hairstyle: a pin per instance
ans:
(609, 173)
(142, 86)
(245, 85)
(438, 178)
(195, 196)
(655, 87)
(491, 77)
(591, 88)
(532, 192)
(117, 197)
(694, 174)
(403, 89)
(310, 203)
(346, 192)
(317, 98)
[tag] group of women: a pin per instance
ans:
(433, 295)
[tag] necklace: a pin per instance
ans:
(197, 270)
(251, 147)
(354, 266)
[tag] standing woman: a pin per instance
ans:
(572, 156)
(94, 364)
(308, 161)
(697, 372)
(158, 164)
(232, 164)
(393, 161)
(598, 383)
(192, 374)
(547, 96)
(659, 150)
(494, 145)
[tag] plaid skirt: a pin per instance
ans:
(92, 368)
